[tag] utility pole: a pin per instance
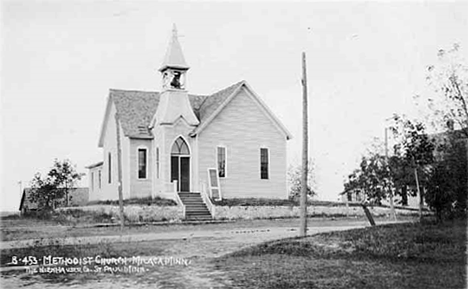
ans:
(119, 170)
(392, 207)
(303, 209)
(418, 189)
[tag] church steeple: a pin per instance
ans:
(174, 67)
(174, 101)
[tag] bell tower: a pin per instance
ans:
(174, 67)
(174, 102)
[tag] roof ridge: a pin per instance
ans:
(229, 87)
(132, 90)
(150, 91)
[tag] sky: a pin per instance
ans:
(365, 61)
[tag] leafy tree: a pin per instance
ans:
(44, 192)
(55, 186)
(416, 149)
(402, 174)
(447, 186)
(294, 179)
(413, 143)
(65, 176)
(378, 177)
(372, 178)
(448, 112)
(449, 80)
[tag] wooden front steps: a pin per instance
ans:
(195, 208)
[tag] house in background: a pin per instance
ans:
(170, 139)
(458, 138)
(76, 197)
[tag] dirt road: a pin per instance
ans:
(199, 247)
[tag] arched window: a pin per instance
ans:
(180, 147)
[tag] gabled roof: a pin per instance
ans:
(95, 165)
(221, 99)
(136, 109)
(211, 103)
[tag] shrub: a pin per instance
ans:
(257, 202)
(157, 201)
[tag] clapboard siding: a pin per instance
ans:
(243, 128)
(110, 190)
(126, 178)
(140, 188)
(95, 191)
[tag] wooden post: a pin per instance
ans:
(419, 193)
(392, 207)
(418, 189)
(368, 214)
(119, 170)
(303, 210)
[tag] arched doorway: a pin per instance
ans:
(180, 165)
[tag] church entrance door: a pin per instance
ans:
(180, 165)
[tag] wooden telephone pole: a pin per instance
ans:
(392, 206)
(119, 170)
(303, 210)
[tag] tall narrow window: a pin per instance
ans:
(264, 163)
(142, 157)
(109, 177)
(221, 153)
(92, 181)
(157, 163)
(99, 179)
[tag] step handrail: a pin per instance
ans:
(179, 200)
(208, 203)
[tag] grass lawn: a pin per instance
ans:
(407, 255)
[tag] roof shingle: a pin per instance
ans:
(137, 108)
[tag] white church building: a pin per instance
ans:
(227, 144)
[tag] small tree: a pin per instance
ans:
(46, 191)
(65, 176)
(294, 179)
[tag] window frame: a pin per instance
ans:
(109, 168)
(225, 161)
(99, 176)
(145, 149)
(267, 163)
(92, 181)
(157, 162)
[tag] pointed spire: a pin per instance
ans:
(174, 57)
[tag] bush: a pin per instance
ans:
(258, 202)
(295, 181)
(244, 202)
(157, 201)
